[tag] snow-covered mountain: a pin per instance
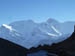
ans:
(30, 34)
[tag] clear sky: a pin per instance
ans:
(37, 10)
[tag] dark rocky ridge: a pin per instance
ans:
(8, 48)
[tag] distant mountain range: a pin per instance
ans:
(27, 38)
(31, 34)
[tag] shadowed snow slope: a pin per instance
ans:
(30, 34)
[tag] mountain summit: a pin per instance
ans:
(51, 20)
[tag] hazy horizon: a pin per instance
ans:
(37, 10)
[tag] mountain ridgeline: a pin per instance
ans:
(30, 34)
(26, 37)
(64, 48)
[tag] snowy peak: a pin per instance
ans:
(51, 20)
(7, 26)
(30, 34)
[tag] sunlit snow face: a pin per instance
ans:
(8, 27)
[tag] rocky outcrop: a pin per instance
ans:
(8, 48)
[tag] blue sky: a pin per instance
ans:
(37, 10)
